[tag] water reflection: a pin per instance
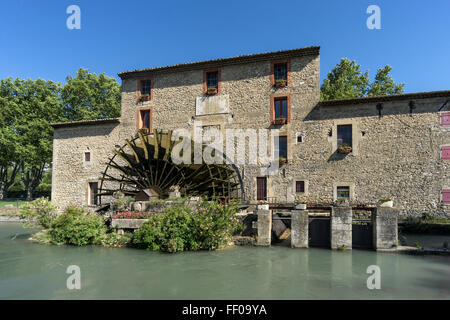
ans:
(33, 271)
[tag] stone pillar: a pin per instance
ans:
(264, 227)
(384, 223)
(299, 228)
(341, 227)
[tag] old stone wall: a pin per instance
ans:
(396, 154)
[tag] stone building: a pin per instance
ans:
(400, 145)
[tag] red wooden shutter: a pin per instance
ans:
(445, 119)
(446, 196)
(445, 153)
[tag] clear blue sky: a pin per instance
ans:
(124, 35)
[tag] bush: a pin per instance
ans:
(149, 235)
(41, 210)
(179, 229)
(114, 239)
(78, 227)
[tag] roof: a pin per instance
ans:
(395, 97)
(84, 122)
(275, 55)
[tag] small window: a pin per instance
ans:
(146, 87)
(445, 153)
(343, 193)
(280, 72)
(93, 193)
(344, 135)
(445, 119)
(282, 146)
(87, 157)
(299, 138)
(281, 108)
(300, 186)
(446, 196)
(212, 79)
(145, 119)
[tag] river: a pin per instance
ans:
(36, 271)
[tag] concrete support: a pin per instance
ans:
(385, 229)
(341, 227)
(299, 228)
(264, 227)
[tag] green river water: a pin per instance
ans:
(35, 271)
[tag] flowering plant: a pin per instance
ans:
(175, 188)
(383, 200)
(301, 202)
(262, 202)
(133, 215)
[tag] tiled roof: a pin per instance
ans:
(225, 61)
(396, 97)
(84, 122)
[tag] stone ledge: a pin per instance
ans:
(128, 223)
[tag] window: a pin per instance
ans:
(261, 188)
(343, 193)
(280, 72)
(281, 146)
(344, 135)
(145, 119)
(446, 196)
(299, 138)
(280, 108)
(87, 157)
(445, 152)
(211, 81)
(445, 119)
(145, 89)
(300, 186)
(93, 193)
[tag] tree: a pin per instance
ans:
(384, 84)
(41, 105)
(89, 96)
(10, 148)
(346, 80)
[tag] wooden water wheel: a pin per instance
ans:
(145, 162)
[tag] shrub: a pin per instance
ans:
(114, 239)
(40, 210)
(214, 225)
(149, 236)
(78, 227)
(179, 229)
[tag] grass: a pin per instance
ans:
(15, 203)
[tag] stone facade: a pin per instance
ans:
(396, 149)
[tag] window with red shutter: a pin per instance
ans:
(445, 153)
(445, 119)
(446, 196)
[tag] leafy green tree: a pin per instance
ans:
(384, 84)
(89, 96)
(10, 147)
(346, 80)
(40, 106)
(27, 109)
